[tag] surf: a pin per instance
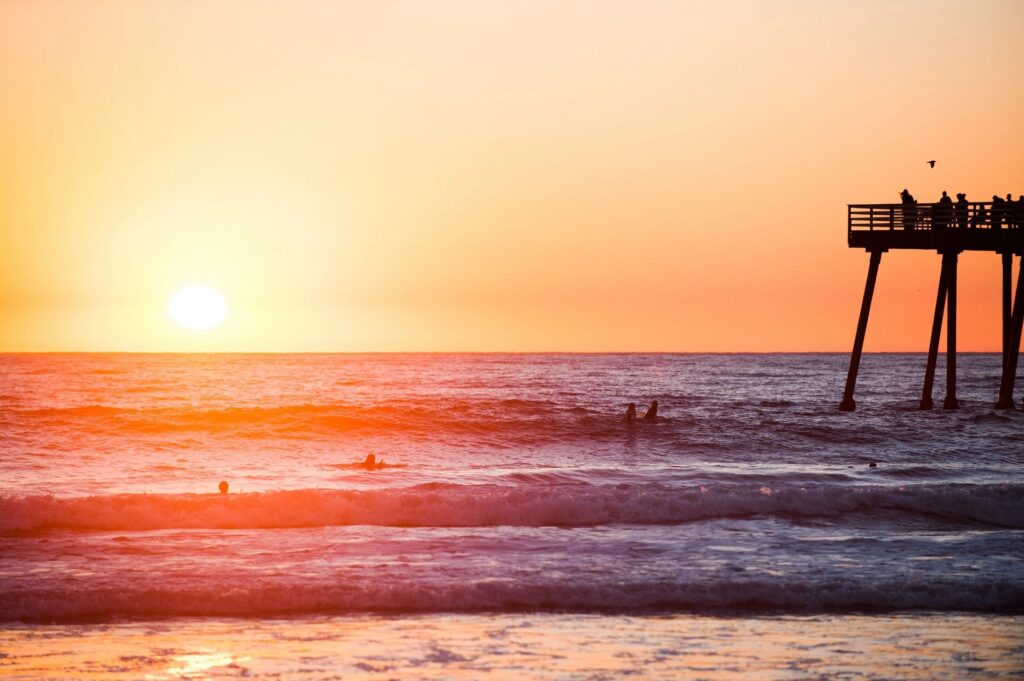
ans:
(998, 505)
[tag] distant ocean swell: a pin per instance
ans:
(259, 598)
(509, 421)
(451, 505)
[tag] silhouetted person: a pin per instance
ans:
(942, 213)
(630, 412)
(223, 486)
(1012, 212)
(1018, 211)
(961, 209)
(909, 209)
(370, 463)
(998, 212)
(652, 411)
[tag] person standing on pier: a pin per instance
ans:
(1012, 212)
(961, 210)
(909, 209)
(998, 212)
(942, 213)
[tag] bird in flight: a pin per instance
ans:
(931, 163)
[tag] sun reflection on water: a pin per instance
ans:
(195, 665)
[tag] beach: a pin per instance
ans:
(524, 646)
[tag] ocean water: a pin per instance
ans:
(512, 488)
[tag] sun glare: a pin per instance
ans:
(197, 307)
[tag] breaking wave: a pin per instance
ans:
(452, 505)
(261, 599)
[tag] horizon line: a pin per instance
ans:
(482, 352)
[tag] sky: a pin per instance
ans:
(485, 176)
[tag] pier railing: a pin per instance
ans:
(870, 217)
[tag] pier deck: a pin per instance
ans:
(886, 226)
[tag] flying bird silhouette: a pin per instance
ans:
(931, 163)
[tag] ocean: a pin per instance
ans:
(518, 526)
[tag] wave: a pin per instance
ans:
(452, 505)
(508, 423)
(519, 419)
(185, 419)
(238, 598)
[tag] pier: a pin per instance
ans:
(948, 230)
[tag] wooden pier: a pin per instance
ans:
(949, 230)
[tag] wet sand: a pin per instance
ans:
(524, 646)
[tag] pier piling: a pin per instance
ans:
(949, 263)
(1007, 287)
(848, 403)
(1009, 377)
(1007, 302)
(933, 345)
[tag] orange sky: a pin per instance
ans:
(492, 176)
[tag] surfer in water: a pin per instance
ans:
(370, 463)
(652, 412)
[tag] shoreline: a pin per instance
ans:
(533, 646)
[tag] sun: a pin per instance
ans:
(197, 307)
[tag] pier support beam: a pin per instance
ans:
(949, 262)
(933, 345)
(848, 403)
(1013, 350)
(1007, 302)
(1007, 258)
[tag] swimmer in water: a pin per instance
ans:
(223, 486)
(370, 463)
(630, 412)
(652, 411)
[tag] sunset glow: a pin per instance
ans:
(197, 307)
(486, 176)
